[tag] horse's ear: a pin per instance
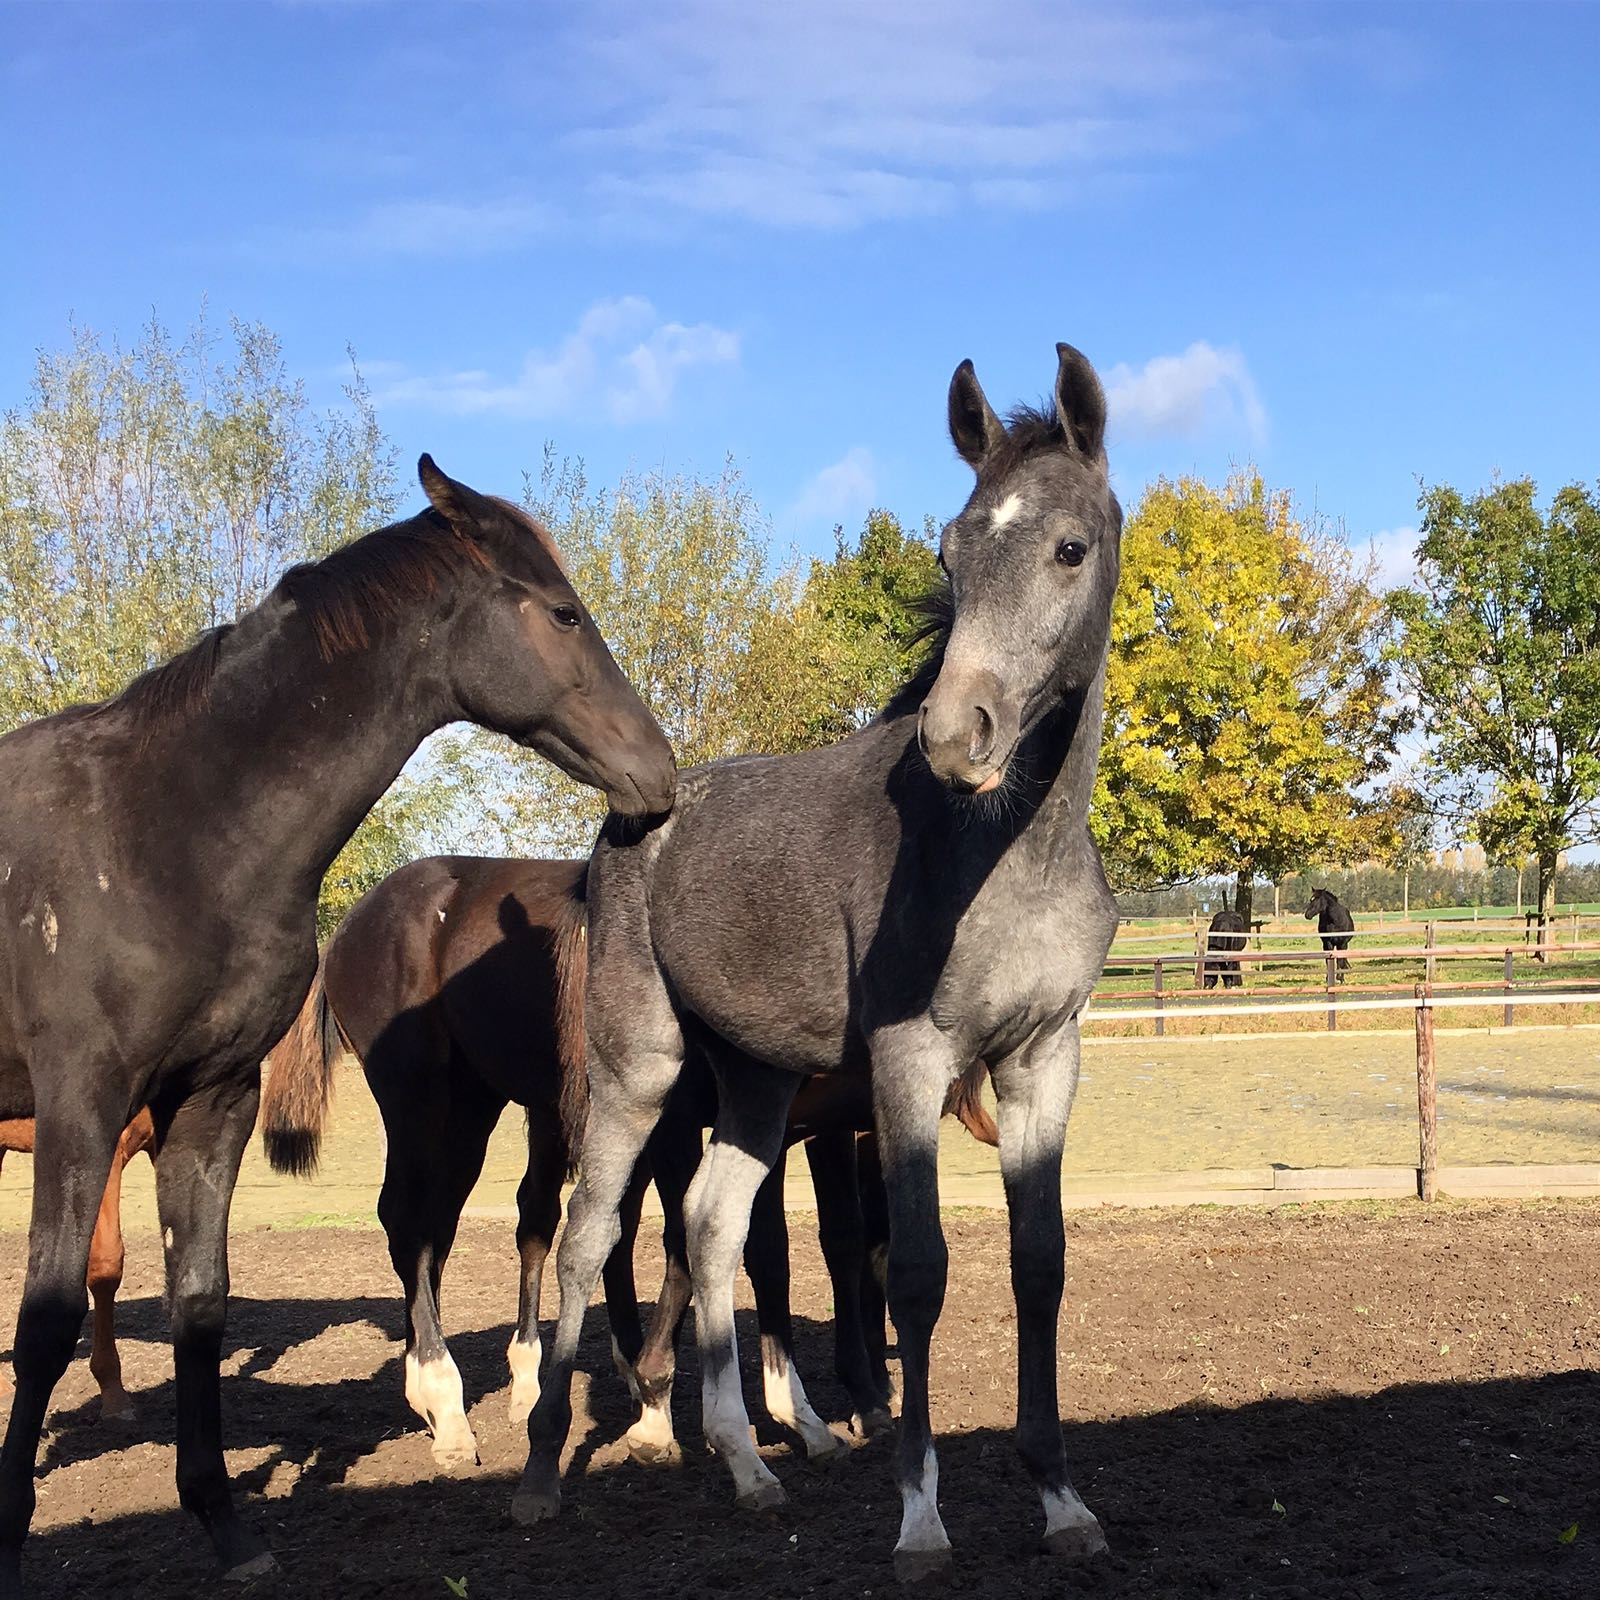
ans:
(974, 428)
(1080, 402)
(461, 507)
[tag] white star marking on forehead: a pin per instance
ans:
(1004, 512)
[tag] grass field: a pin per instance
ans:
(1529, 1095)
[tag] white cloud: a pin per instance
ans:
(1204, 390)
(426, 228)
(1392, 555)
(621, 360)
(837, 113)
(838, 493)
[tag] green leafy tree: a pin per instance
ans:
(675, 573)
(1500, 641)
(1246, 701)
(150, 492)
(822, 667)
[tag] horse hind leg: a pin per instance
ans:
(429, 1171)
(538, 1213)
(106, 1260)
(753, 1107)
(766, 1261)
(200, 1148)
(673, 1155)
(842, 1231)
(634, 1060)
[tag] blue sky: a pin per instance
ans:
(1356, 244)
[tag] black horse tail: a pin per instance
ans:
(570, 946)
(294, 1105)
(965, 1102)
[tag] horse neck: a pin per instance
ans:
(294, 750)
(1052, 812)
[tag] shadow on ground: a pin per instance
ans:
(1432, 1491)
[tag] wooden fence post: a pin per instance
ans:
(1428, 963)
(1333, 977)
(1511, 1010)
(1199, 959)
(1427, 1102)
(1161, 1021)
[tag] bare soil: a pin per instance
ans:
(1351, 1401)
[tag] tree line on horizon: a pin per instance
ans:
(1258, 689)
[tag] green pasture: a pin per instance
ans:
(1527, 1096)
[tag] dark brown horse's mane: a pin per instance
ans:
(374, 578)
(171, 692)
(343, 596)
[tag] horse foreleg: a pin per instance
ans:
(1035, 1088)
(766, 1260)
(76, 1142)
(910, 1071)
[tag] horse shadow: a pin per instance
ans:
(1439, 1491)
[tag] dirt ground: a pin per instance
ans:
(1334, 1401)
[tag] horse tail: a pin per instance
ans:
(570, 943)
(965, 1102)
(294, 1105)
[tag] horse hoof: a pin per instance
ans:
(1076, 1544)
(118, 1408)
(463, 1459)
(923, 1566)
(764, 1497)
(826, 1449)
(258, 1566)
(868, 1425)
(530, 1506)
(519, 1411)
(649, 1452)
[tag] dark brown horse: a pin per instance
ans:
(105, 1255)
(458, 984)
(160, 858)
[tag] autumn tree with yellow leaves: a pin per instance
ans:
(1247, 710)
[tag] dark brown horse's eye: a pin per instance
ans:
(1070, 552)
(566, 616)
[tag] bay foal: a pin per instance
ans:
(160, 858)
(921, 895)
(458, 984)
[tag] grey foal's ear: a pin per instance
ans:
(974, 428)
(1080, 402)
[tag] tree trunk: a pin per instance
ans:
(1405, 895)
(1244, 894)
(1547, 898)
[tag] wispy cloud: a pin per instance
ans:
(838, 493)
(622, 361)
(836, 113)
(420, 228)
(1203, 390)
(1392, 556)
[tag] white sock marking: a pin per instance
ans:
(920, 1525)
(523, 1359)
(785, 1398)
(433, 1391)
